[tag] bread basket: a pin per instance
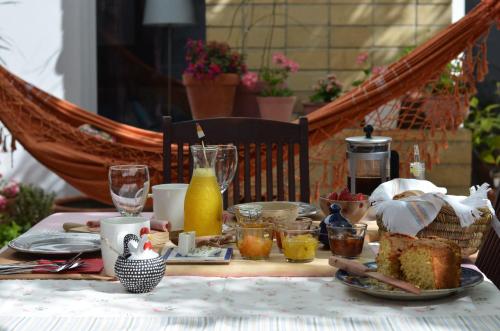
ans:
(447, 225)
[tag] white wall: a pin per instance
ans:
(52, 46)
(457, 10)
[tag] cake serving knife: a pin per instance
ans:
(359, 269)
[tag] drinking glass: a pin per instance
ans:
(129, 187)
(225, 165)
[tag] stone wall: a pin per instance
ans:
(325, 36)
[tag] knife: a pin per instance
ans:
(359, 269)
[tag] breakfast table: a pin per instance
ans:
(229, 303)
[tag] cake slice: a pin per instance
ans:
(431, 263)
(391, 246)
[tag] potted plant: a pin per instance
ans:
(484, 123)
(211, 78)
(325, 91)
(276, 100)
(21, 206)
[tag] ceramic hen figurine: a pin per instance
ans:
(140, 268)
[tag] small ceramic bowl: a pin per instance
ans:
(138, 276)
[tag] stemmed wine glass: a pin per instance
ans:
(226, 164)
(129, 187)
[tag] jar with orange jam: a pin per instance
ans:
(255, 241)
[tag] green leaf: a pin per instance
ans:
(487, 157)
(485, 125)
(493, 141)
(489, 108)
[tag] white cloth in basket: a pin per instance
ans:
(412, 214)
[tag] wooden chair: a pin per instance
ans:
(252, 136)
(488, 258)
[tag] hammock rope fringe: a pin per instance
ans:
(397, 99)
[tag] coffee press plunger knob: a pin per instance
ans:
(368, 130)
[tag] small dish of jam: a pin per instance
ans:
(347, 241)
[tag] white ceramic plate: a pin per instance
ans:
(305, 209)
(57, 243)
(469, 278)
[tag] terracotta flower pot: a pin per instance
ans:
(276, 108)
(211, 97)
(245, 103)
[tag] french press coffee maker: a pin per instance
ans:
(369, 161)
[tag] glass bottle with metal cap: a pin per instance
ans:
(369, 159)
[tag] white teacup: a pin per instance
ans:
(113, 230)
(168, 204)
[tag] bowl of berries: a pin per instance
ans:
(354, 206)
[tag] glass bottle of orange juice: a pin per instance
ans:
(203, 202)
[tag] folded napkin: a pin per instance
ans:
(411, 214)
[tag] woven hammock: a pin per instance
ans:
(48, 127)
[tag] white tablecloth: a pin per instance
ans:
(197, 303)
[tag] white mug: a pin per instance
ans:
(168, 204)
(113, 230)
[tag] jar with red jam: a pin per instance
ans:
(347, 242)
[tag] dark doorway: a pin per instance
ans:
(488, 90)
(132, 64)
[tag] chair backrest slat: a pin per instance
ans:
(291, 172)
(180, 163)
(258, 172)
(247, 183)
(304, 160)
(279, 172)
(251, 135)
(269, 171)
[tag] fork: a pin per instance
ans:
(60, 268)
(70, 264)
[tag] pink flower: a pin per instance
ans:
(3, 202)
(214, 69)
(377, 70)
(11, 189)
(250, 79)
(292, 66)
(279, 58)
(362, 58)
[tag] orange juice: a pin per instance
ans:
(203, 204)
